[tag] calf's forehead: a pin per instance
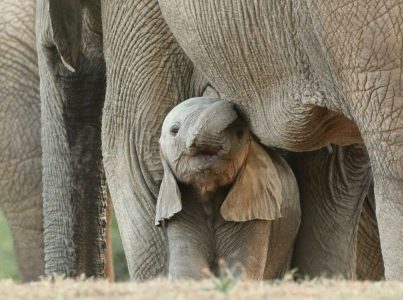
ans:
(185, 109)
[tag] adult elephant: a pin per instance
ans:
(20, 148)
(309, 73)
(305, 73)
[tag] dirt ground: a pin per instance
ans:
(210, 290)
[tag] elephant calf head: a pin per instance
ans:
(205, 144)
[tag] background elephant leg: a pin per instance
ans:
(20, 141)
(333, 187)
(148, 74)
(26, 224)
(369, 255)
(74, 190)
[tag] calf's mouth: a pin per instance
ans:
(207, 150)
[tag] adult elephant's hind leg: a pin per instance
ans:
(147, 74)
(333, 185)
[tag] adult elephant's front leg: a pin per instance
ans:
(147, 74)
(333, 186)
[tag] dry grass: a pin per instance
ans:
(209, 290)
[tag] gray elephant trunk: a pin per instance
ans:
(211, 124)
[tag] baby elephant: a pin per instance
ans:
(223, 197)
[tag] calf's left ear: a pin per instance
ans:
(169, 198)
(257, 191)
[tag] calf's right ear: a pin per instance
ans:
(66, 23)
(169, 200)
(257, 193)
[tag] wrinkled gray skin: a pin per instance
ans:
(369, 257)
(20, 155)
(313, 73)
(304, 73)
(217, 203)
(20, 149)
(334, 184)
(74, 189)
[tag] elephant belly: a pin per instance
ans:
(249, 53)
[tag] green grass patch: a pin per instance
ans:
(8, 267)
(119, 259)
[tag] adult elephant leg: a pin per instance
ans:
(385, 146)
(72, 90)
(386, 152)
(148, 74)
(20, 146)
(369, 255)
(375, 100)
(363, 45)
(333, 185)
(381, 123)
(24, 216)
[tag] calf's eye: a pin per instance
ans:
(174, 130)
